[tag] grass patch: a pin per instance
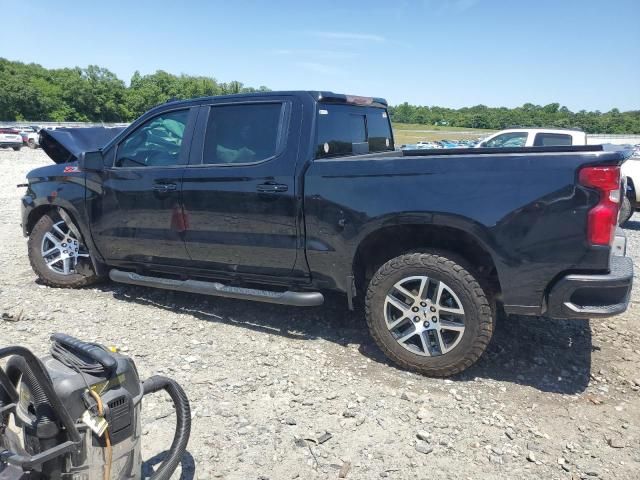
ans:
(421, 127)
(406, 133)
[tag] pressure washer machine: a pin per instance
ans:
(75, 414)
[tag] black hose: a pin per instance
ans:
(46, 426)
(183, 423)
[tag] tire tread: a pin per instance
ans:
(45, 276)
(446, 265)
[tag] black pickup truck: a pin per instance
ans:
(280, 196)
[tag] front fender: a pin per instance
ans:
(66, 192)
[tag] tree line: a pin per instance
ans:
(95, 94)
(528, 115)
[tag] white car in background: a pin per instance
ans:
(534, 137)
(31, 133)
(10, 138)
(631, 172)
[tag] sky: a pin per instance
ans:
(584, 54)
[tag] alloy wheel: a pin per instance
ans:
(424, 315)
(61, 249)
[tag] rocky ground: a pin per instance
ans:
(285, 393)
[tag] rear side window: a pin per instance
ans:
(348, 130)
(552, 140)
(380, 138)
(243, 133)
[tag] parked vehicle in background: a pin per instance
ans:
(451, 144)
(10, 138)
(631, 173)
(424, 145)
(24, 135)
(30, 136)
(534, 137)
(279, 196)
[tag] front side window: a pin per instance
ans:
(552, 140)
(508, 140)
(242, 133)
(156, 143)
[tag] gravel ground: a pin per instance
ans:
(550, 399)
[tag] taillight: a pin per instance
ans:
(603, 218)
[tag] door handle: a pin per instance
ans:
(272, 188)
(164, 187)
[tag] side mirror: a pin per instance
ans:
(91, 161)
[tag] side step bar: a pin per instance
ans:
(296, 299)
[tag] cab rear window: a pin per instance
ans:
(552, 140)
(352, 130)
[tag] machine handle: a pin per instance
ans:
(92, 351)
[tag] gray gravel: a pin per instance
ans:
(283, 393)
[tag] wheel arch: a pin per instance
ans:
(390, 241)
(36, 214)
(39, 211)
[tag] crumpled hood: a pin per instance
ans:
(66, 144)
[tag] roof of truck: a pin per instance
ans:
(545, 129)
(318, 95)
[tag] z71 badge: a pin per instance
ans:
(71, 169)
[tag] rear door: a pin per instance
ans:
(239, 190)
(135, 203)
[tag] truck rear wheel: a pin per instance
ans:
(57, 256)
(428, 314)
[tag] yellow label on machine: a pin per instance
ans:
(106, 385)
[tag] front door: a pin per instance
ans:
(135, 211)
(239, 191)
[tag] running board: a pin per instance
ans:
(296, 299)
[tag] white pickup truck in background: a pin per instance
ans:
(534, 137)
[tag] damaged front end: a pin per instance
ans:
(65, 145)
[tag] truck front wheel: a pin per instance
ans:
(429, 314)
(57, 255)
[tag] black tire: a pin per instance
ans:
(478, 314)
(39, 266)
(626, 210)
(17, 149)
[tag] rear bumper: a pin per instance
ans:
(593, 295)
(10, 144)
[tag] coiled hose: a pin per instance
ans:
(46, 426)
(183, 423)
